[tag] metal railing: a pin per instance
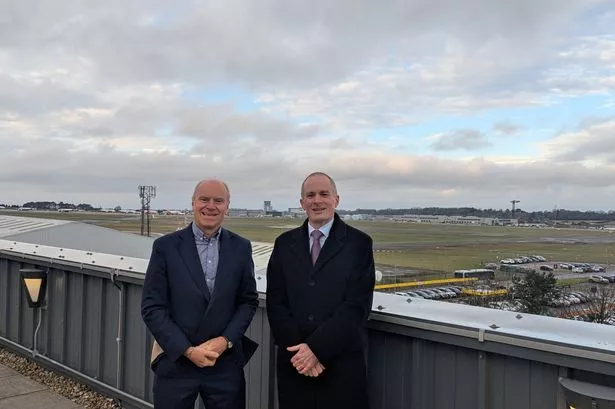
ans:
(422, 354)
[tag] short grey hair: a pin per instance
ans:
(333, 186)
(228, 192)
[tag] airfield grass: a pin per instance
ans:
(427, 247)
(570, 282)
(471, 255)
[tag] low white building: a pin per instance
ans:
(296, 212)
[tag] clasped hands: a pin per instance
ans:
(304, 360)
(207, 353)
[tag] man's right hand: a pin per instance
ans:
(201, 357)
(315, 371)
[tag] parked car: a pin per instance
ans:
(456, 290)
(546, 268)
(581, 296)
(426, 294)
(443, 293)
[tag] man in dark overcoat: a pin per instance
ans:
(320, 282)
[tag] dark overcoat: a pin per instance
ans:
(325, 306)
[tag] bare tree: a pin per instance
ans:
(601, 305)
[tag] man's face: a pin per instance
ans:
(319, 200)
(209, 205)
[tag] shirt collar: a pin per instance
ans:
(325, 230)
(199, 235)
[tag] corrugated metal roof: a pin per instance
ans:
(10, 225)
(74, 235)
(260, 254)
(52, 235)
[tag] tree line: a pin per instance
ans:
(45, 205)
(541, 216)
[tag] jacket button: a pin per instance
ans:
(310, 317)
(312, 283)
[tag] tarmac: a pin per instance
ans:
(20, 392)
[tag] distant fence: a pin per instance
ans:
(92, 331)
(425, 283)
(480, 292)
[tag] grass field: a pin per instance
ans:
(427, 247)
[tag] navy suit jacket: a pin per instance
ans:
(178, 308)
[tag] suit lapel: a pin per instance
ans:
(190, 255)
(225, 257)
(301, 245)
(333, 244)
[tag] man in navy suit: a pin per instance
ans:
(199, 298)
(320, 283)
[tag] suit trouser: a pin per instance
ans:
(219, 389)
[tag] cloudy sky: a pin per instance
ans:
(412, 103)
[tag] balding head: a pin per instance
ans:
(333, 186)
(210, 202)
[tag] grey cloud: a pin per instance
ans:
(51, 172)
(506, 128)
(463, 139)
(291, 47)
(340, 143)
(479, 174)
(273, 43)
(265, 129)
(105, 176)
(503, 73)
(167, 118)
(595, 142)
(38, 96)
(88, 56)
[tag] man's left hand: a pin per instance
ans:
(217, 344)
(304, 359)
